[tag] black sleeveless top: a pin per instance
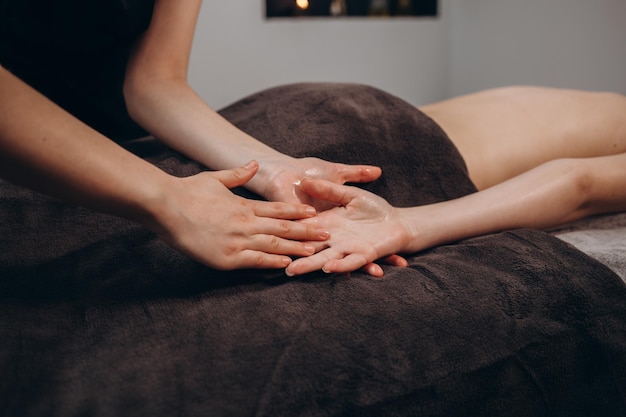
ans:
(75, 52)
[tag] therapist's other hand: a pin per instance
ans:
(284, 177)
(202, 218)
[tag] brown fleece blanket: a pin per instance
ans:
(99, 318)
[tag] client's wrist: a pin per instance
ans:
(423, 227)
(411, 233)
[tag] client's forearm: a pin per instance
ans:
(549, 195)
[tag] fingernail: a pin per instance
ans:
(288, 273)
(323, 234)
(311, 211)
(325, 270)
(309, 249)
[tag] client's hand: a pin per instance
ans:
(363, 228)
(202, 218)
(283, 176)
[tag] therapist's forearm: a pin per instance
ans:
(45, 148)
(173, 112)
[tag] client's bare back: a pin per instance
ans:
(506, 131)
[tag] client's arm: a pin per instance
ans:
(364, 227)
(159, 98)
(45, 148)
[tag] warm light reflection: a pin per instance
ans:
(303, 4)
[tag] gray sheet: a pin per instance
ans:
(601, 237)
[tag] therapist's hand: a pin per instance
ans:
(202, 218)
(285, 175)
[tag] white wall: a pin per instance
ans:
(238, 52)
(560, 43)
(474, 44)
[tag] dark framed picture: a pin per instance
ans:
(339, 8)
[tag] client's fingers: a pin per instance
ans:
(326, 190)
(373, 269)
(350, 263)
(395, 260)
(377, 271)
(359, 173)
(310, 263)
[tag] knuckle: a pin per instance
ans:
(241, 217)
(258, 260)
(276, 206)
(230, 250)
(246, 206)
(274, 243)
(285, 226)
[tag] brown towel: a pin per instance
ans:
(99, 318)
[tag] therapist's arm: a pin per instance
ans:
(160, 99)
(45, 148)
